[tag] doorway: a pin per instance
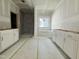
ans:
(13, 20)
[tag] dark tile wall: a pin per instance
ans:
(27, 22)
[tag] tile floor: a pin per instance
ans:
(36, 48)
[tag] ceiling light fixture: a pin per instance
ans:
(23, 1)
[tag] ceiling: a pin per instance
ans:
(45, 5)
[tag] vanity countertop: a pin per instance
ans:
(8, 29)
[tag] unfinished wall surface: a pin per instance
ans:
(66, 15)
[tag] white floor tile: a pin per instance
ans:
(39, 48)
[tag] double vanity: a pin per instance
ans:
(8, 38)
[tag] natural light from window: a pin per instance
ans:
(44, 22)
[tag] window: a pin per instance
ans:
(44, 22)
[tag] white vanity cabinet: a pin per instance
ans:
(54, 35)
(70, 45)
(58, 38)
(68, 42)
(16, 34)
(8, 37)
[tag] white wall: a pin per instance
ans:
(4, 22)
(5, 9)
(66, 15)
(4, 14)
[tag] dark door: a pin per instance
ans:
(13, 20)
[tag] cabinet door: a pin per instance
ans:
(60, 38)
(7, 37)
(16, 35)
(54, 36)
(70, 47)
